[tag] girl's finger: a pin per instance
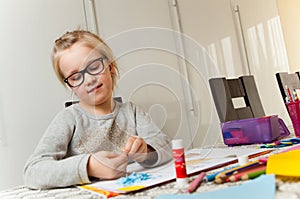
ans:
(129, 144)
(136, 145)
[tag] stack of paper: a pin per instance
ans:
(284, 164)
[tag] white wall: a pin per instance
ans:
(266, 51)
(289, 15)
(195, 119)
(30, 94)
(213, 48)
(211, 25)
(144, 45)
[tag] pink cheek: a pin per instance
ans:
(76, 90)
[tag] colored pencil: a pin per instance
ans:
(240, 175)
(295, 95)
(289, 93)
(253, 174)
(211, 177)
(225, 174)
(263, 160)
(196, 182)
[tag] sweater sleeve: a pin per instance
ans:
(153, 136)
(49, 165)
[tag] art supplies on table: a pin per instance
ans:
(281, 143)
(285, 164)
(196, 182)
(293, 106)
(254, 174)
(242, 172)
(212, 177)
(296, 147)
(247, 174)
(243, 159)
(197, 160)
(221, 177)
(261, 187)
(133, 178)
(254, 130)
(179, 162)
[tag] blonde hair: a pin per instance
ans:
(87, 39)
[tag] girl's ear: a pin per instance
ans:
(112, 69)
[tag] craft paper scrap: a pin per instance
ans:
(105, 193)
(261, 187)
(133, 178)
(284, 164)
(296, 147)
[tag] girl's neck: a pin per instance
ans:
(100, 109)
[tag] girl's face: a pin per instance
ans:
(96, 89)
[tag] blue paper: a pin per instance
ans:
(261, 187)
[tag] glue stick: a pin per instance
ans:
(179, 160)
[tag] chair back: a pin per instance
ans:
(224, 91)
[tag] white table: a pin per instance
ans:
(285, 190)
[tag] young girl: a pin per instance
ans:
(98, 136)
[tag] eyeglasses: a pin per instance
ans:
(94, 68)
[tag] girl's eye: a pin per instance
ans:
(75, 77)
(95, 67)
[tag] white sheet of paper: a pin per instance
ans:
(196, 161)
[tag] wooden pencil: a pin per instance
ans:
(238, 176)
(221, 177)
(253, 174)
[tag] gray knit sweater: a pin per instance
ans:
(61, 157)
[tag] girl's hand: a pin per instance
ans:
(107, 165)
(136, 148)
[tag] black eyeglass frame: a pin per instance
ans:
(85, 70)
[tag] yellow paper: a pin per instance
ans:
(284, 164)
(131, 188)
(108, 194)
